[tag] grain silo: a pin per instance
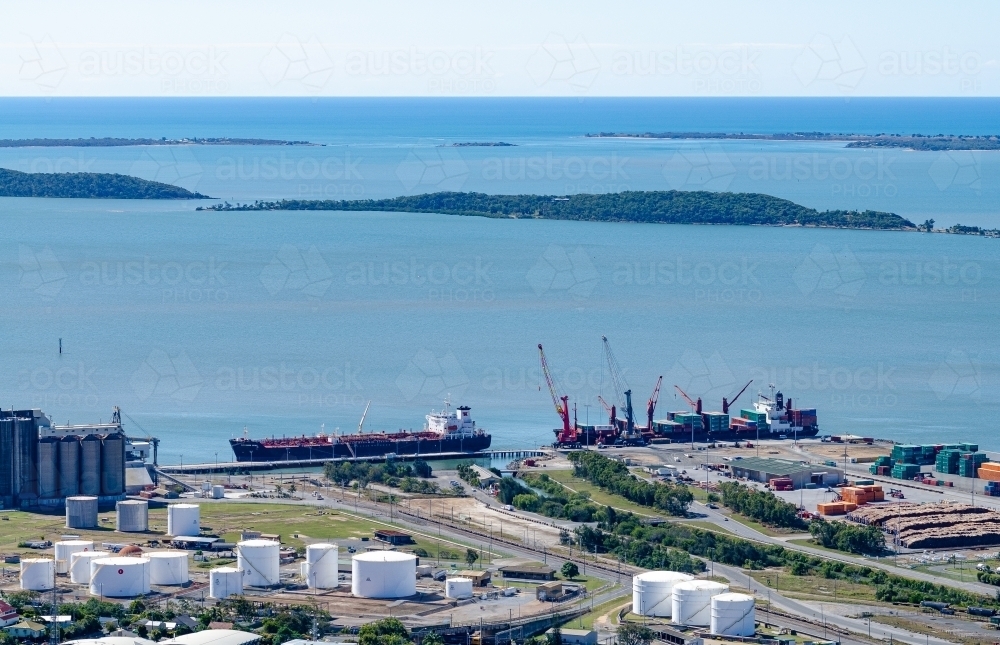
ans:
(119, 577)
(7, 462)
(383, 574)
(64, 550)
(79, 565)
(90, 465)
(168, 568)
(458, 588)
(259, 561)
(81, 512)
(113, 464)
(733, 615)
(26, 459)
(184, 520)
(652, 592)
(132, 516)
(37, 574)
(692, 602)
(69, 466)
(48, 468)
(224, 582)
(320, 568)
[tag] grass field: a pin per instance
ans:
(226, 519)
(760, 528)
(599, 496)
(814, 587)
(587, 620)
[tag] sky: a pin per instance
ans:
(513, 48)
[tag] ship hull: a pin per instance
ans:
(731, 435)
(249, 450)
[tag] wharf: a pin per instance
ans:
(246, 466)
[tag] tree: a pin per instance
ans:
(388, 631)
(928, 225)
(471, 556)
(569, 570)
(634, 634)
(555, 638)
(422, 468)
(432, 638)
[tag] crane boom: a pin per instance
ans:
(686, 397)
(561, 403)
(622, 389)
(651, 404)
(610, 409)
(726, 403)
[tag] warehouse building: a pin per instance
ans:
(763, 470)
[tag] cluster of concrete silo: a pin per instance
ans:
(42, 467)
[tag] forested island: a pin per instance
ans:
(667, 207)
(87, 185)
(908, 141)
(117, 142)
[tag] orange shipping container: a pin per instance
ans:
(990, 465)
(989, 475)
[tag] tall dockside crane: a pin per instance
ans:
(629, 434)
(651, 405)
(727, 403)
(566, 436)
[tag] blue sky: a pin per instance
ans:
(517, 48)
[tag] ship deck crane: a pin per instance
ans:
(567, 435)
(629, 436)
(695, 405)
(651, 404)
(726, 403)
(610, 409)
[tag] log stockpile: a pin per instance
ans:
(933, 526)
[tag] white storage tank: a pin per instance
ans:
(119, 577)
(652, 592)
(218, 492)
(184, 520)
(458, 588)
(132, 516)
(37, 574)
(258, 560)
(65, 549)
(168, 568)
(79, 565)
(81, 512)
(692, 602)
(733, 614)
(224, 582)
(320, 568)
(383, 574)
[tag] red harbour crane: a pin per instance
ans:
(567, 435)
(651, 404)
(695, 405)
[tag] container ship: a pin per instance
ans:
(771, 417)
(447, 431)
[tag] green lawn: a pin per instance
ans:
(757, 526)
(225, 519)
(587, 620)
(701, 524)
(566, 478)
(814, 587)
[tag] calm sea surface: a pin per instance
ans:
(199, 324)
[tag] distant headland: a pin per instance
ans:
(118, 142)
(907, 141)
(88, 185)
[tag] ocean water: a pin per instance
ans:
(201, 324)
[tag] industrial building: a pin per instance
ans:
(763, 470)
(42, 464)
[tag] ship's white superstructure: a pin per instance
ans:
(452, 423)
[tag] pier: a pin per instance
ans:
(234, 467)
